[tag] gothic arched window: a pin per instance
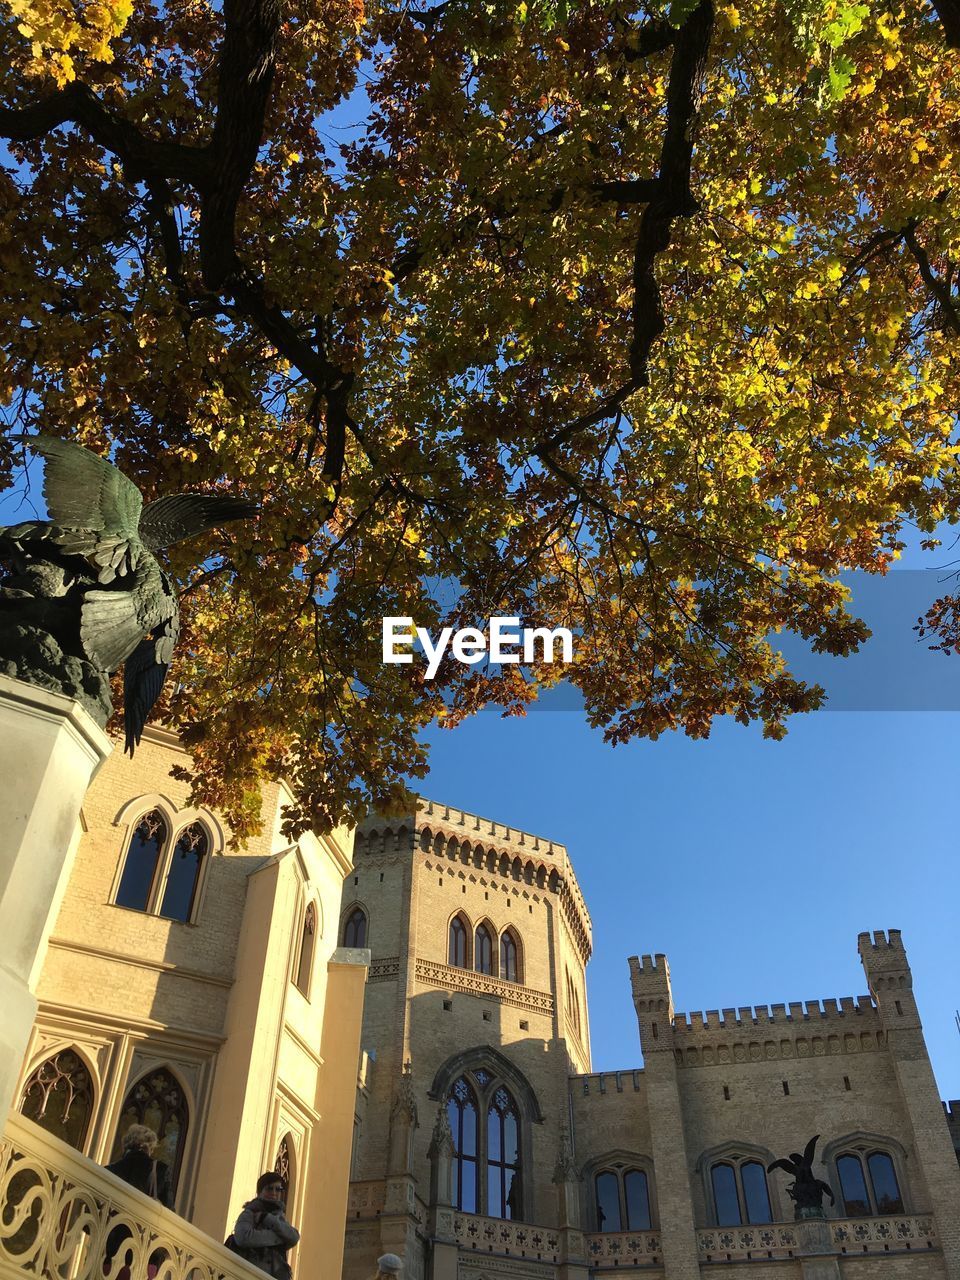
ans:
(355, 929)
(144, 852)
(509, 957)
(283, 1166)
(488, 1176)
(157, 1100)
(483, 950)
(305, 958)
(183, 876)
(740, 1194)
(622, 1199)
(503, 1157)
(462, 1114)
(163, 876)
(868, 1186)
(58, 1096)
(457, 947)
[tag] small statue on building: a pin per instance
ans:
(83, 594)
(806, 1191)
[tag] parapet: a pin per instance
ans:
(599, 1084)
(797, 1013)
(650, 972)
(881, 950)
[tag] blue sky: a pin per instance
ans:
(752, 864)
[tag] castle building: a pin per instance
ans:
(486, 1147)
(200, 990)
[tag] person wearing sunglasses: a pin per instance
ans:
(262, 1234)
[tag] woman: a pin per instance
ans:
(138, 1167)
(262, 1234)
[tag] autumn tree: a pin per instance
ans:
(636, 318)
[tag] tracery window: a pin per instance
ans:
(355, 929)
(868, 1184)
(160, 876)
(740, 1194)
(509, 957)
(457, 945)
(483, 950)
(283, 1167)
(58, 1096)
(157, 1100)
(305, 957)
(622, 1199)
(487, 1164)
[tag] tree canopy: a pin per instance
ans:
(636, 318)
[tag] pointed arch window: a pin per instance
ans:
(488, 1174)
(305, 958)
(355, 929)
(622, 1199)
(868, 1184)
(163, 872)
(147, 844)
(283, 1166)
(457, 943)
(483, 950)
(509, 957)
(740, 1193)
(58, 1096)
(157, 1100)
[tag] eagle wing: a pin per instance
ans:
(94, 509)
(781, 1164)
(84, 491)
(143, 675)
(113, 622)
(184, 515)
(809, 1149)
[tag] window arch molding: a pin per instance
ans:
(460, 916)
(309, 911)
(176, 824)
(495, 1071)
(863, 1144)
(620, 1162)
(143, 1076)
(345, 918)
(737, 1154)
(50, 1053)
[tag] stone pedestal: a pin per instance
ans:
(50, 750)
(816, 1246)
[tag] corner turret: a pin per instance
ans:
(653, 1001)
(888, 973)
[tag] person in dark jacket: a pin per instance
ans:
(138, 1167)
(262, 1234)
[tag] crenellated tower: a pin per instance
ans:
(888, 973)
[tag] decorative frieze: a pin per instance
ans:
(902, 1233)
(624, 1249)
(384, 970)
(450, 978)
(499, 1235)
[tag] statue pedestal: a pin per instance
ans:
(816, 1239)
(50, 750)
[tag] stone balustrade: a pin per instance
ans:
(499, 1235)
(901, 1233)
(57, 1210)
(624, 1249)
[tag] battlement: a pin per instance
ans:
(796, 1013)
(883, 949)
(599, 1084)
(649, 971)
(951, 1110)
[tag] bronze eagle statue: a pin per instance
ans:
(98, 548)
(805, 1191)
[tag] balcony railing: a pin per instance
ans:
(900, 1234)
(499, 1235)
(57, 1210)
(624, 1249)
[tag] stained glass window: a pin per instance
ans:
(503, 1157)
(59, 1097)
(462, 1114)
(283, 1167)
(157, 1101)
